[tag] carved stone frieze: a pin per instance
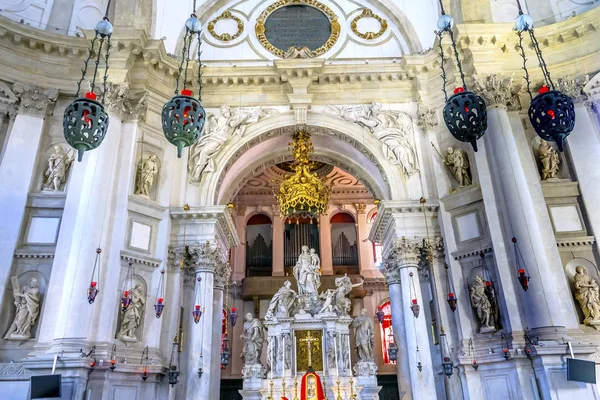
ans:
(573, 87)
(497, 91)
(34, 99)
(426, 118)
(129, 106)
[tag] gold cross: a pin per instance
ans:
(309, 341)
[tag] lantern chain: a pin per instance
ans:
(107, 9)
(86, 63)
(186, 50)
(97, 62)
(187, 32)
(199, 69)
(538, 53)
(458, 62)
(105, 82)
(442, 63)
(522, 54)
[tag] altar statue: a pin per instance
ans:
(254, 337)
(282, 302)
(306, 272)
(335, 300)
(363, 335)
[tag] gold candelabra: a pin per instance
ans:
(339, 391)
(352, 394)
(295, 388)
(283, 387)
(325, 388)
(271, 390)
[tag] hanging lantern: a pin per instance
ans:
(233, 316)
(451, 299)
(505, 350)
(551, 112)
(414, 305)
(447, 364)
(380, 314)
(197, 313)
(183, 117)
(93, 289)
(473, 354)
(200, 366)
(419, 364)
(113, 358)
(160, 294)
(490, 291)
(225, 352)
(392, 349)
(126, 298)
(465, 113)
(144, 363)
(85, 122)
(522, 276)
(173, 372)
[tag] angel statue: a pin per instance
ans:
(393, 128)
(335, 300)
(217, 132)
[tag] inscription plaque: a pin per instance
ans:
(297, 26)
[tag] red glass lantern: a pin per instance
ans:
(159, 307)
(414, 306)
(113, 358)
(522, 276)
(125, 301)
(93, 289)
(92, 292)
(233, 316)
(380, 314)
(197, 313)
(160, 295)
(452, 301)
(128, 283)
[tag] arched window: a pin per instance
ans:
(259, 246)
(344, 248)
(387, 332)
(377, 248)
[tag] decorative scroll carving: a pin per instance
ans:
(368, 13)
(426, 118)
(226, 37)
(34, 99)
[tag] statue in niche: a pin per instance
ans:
(458, 161)
(287, 348)
(306, 272)
(331, 349)
(254, 337)
(549, 159)
(132, 317)
(282, 302)
(335, 301)
(27, 304)
(217, 132)
(393, 128)
(55, 175)
(363, 336)
(147, 169)
(482, 305)
(587, 294)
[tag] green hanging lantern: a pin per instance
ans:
(183, 117)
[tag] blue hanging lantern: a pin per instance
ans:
(85, 122)
(551, 112)
(465, 113)
(183, 117)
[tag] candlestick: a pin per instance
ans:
(339, 393)
(295, 388)
(283, 388)
(271, 392)
(352, 394)
(325, 388)
(283, 361)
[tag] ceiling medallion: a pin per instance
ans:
(368, 13)
(313, 32)
(303, 194)
(226, 37)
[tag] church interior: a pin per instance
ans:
(299, 199)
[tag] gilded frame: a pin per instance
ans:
(226, 37)
(333, 19)
(368, 13)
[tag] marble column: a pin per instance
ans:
(221, 277)
(278, 259)
(520, 210)
(325, 245)
(365, 247)
(391, 271)
(85, 226)
(584, 147)
(17, 168)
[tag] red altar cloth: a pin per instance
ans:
(311, 388)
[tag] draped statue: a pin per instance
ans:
(132, 317)
(254, 337)
(587, 294)
(306, 272)
(549, 159)
(27, 304)
(282, 302)
(364, 336)
(482, 305)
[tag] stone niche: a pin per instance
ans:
(138, 331)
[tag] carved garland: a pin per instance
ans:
(226, 37)
(260, 26)
(368, 13)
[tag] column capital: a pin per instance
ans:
(391, 271)
(222, 273)
(498, 91)
(426, 118)
(408, 251)
(276, 210)
(361, 208)
(573, 87)
(33, 99)
(129, 106)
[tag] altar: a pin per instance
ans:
(307, 331)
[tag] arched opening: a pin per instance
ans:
(259, 246)
(386, 331)
(344, 247)
(299, 232)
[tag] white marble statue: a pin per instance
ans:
(254, 337)
(393, 128)
(56, 174)
(335, 300)
(549, 159)
(363, 336)
(282, 303)
(482, 305)
(132, 317)
(457, 160)
(27, 304)
(306, 272)
(331, 349)
(147, 170)
(217, 132)
(587, 294)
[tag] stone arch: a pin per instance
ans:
(337, 211)
(337, 142)
(257, 212)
